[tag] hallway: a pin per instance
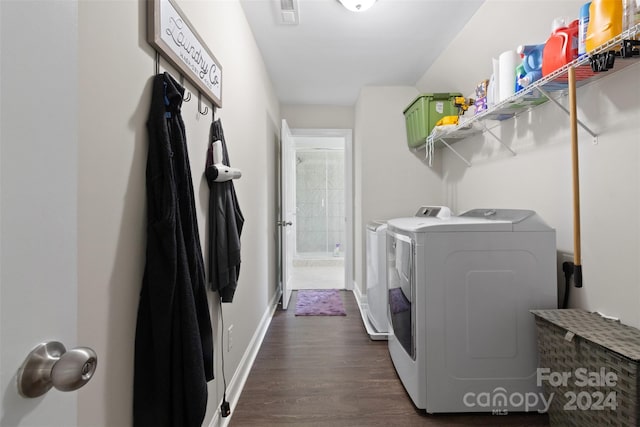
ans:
(317, 274)
(325, 371)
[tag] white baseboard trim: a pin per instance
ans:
(356, 292)
(364, 308)
(244, 367)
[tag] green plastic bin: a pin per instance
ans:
(424, 112)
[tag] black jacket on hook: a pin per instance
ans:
(225, 225)
(174, 345)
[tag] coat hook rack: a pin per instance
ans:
(188, 97)
(206, 109)
(157, 62)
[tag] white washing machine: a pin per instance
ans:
(460, 291)
(376, 279)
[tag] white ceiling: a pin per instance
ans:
(332, 52)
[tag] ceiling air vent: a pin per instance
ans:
(287, 12)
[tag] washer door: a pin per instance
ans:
(401, 283)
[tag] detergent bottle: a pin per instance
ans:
(605, 22)
(583, 23)
(561, 48)
(531, 63)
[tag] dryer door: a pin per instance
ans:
(401, 283)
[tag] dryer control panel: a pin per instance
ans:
(434, 211)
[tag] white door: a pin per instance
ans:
(38, 198)
(287, 211)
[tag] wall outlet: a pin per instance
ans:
(229, 338)
(562, 258)
(565, 256)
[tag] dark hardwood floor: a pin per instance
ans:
(325, 371)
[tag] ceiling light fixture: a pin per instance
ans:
(357, 5)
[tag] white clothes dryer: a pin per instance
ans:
(460, 291)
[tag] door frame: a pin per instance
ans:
(347, 134)
(286, 206)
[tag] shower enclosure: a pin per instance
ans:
(320, 210)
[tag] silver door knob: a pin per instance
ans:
(51, 365)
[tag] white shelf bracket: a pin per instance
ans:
(454, 151)
(486, 129)
(563, 108)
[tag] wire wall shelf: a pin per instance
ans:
(548, 88)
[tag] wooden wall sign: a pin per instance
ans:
(173, 36)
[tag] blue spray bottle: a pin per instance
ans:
(531, 62)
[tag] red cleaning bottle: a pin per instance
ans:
(561, 48)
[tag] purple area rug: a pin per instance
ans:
(320, 302)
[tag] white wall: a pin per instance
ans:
(539, 177)
(115, 70)
(116, 66)
(390, 180)
(318, 116)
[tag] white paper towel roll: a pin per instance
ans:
(507, 80)
(492, 91)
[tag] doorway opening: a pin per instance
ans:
(322, 184)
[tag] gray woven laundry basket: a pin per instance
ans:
(590, 364)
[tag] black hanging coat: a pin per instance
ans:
(174, 345)
(225, 225)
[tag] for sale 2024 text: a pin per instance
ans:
(583, 400)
